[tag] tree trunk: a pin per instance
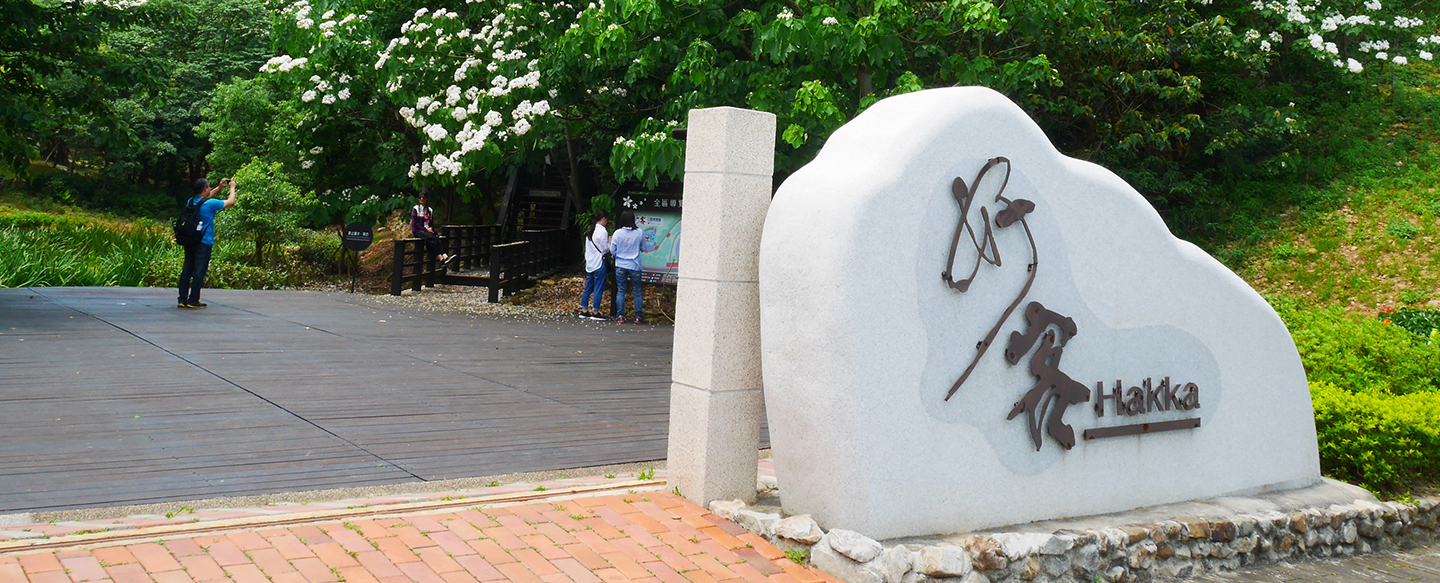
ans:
(864, 78)
(574, 181)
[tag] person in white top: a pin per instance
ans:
(597, 244)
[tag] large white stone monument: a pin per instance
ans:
(922, 278)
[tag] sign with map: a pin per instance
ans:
(658, 218)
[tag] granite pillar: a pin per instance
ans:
(715, 399)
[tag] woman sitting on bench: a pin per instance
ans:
(422, 225)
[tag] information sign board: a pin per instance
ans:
(657, 216)
(358, 236)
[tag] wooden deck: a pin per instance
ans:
(112, 396)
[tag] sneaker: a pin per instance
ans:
(180, 304)
(638, 321)
(586, 314)
(621, 320)
(197, 305)
(597, 317)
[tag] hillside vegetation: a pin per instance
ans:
(1368, 240)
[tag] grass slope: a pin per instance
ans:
(1367, 240)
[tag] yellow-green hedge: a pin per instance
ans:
(1377, 440)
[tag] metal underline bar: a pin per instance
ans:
(1139, 428)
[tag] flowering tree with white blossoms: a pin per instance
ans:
(1171, 93)
(1163, 88)
(1349, 34)
(450, 96)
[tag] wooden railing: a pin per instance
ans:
(516, 265)
(412, 266)
(512, 266)
(416, 267)
(470, 244)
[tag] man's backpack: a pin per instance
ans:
(188, 227)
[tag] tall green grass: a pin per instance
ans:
(42, 250)
(37, 249)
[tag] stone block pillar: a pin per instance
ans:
(715, 394)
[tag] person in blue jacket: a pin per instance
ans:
(197, 256)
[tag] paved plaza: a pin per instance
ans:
(113, 396)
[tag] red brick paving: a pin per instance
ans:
(636, 538)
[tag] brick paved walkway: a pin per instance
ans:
(652, 537)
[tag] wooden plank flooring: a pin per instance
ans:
(113, 396)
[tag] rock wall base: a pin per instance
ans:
(1166, 549)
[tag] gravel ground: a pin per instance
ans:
(467, 300)
(557, 298)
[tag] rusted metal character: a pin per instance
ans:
(1054, 390)
(1014, 212)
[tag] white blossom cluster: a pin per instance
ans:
(607, 90)
(322, 89)
(301, 11)
(117, 4)
(283, 64)
(483, 68)
(1373, 28)
(1403, 22)
(630, 143)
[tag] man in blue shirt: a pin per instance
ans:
(197, 256)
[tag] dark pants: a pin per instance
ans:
(192, 274)
(432, 243)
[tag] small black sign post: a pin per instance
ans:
(357, 237)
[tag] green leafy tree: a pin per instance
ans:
(45, 42)
(211, 42)
(269, 211)
(242, 121)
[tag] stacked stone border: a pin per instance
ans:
(1171, 549)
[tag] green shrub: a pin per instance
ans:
(1361, 354)
(269, 209)
(1418, 322)
(228, 270)
(319, 247)
(1382, 442)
